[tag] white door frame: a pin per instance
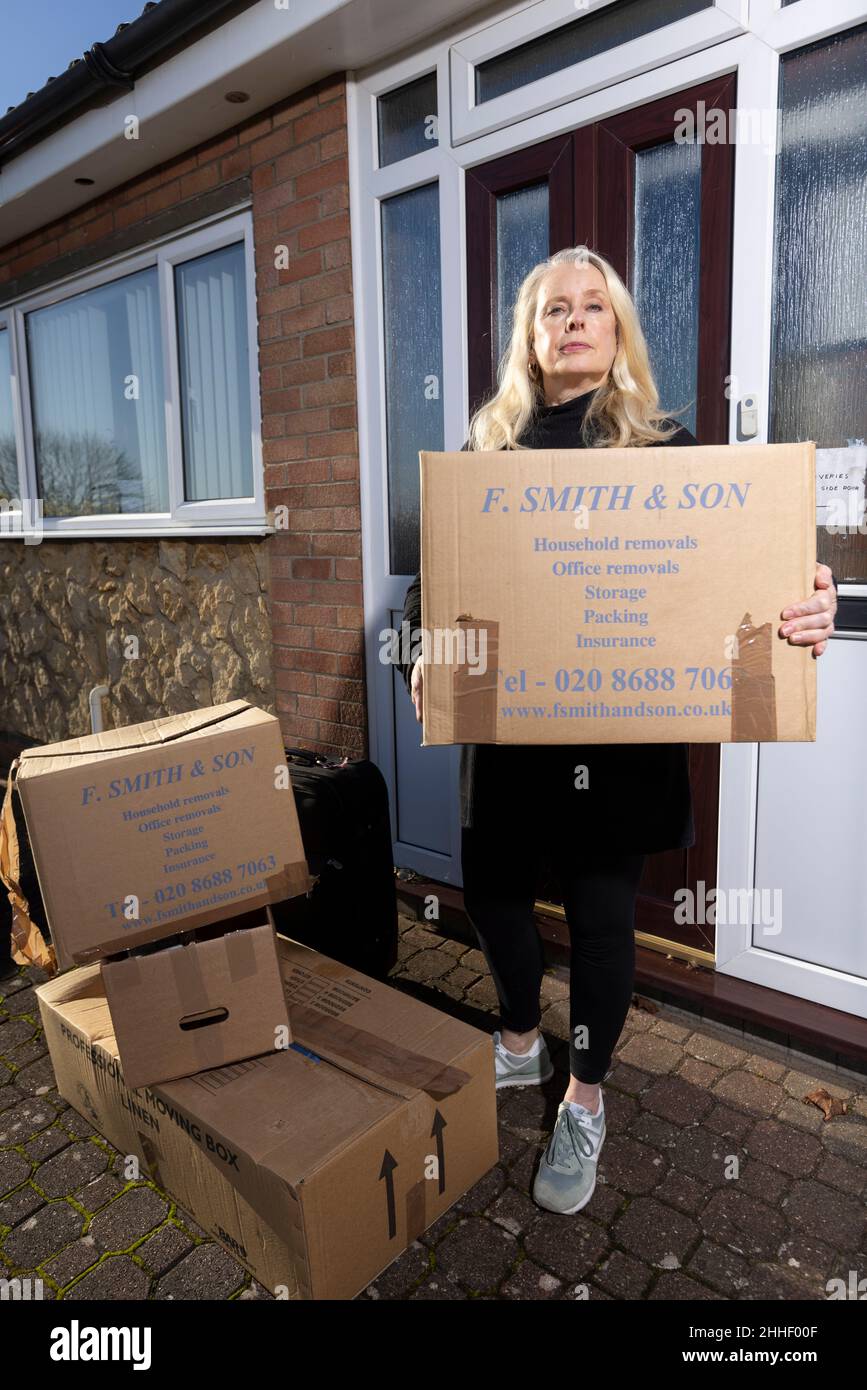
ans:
(766, 32)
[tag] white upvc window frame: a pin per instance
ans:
(230, 516)
(723, 20)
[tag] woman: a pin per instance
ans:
(576, 374)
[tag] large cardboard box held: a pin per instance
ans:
(317, 1166)
(151, 829)
(616, 595)
(212, 997)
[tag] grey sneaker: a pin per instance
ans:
(512, 1069)
(567, 1173)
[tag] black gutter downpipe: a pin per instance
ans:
(114, 63)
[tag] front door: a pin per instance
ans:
(658, 207)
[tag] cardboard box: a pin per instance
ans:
(316, 1167)
(617, 595)
(213, 998)
(151, 829)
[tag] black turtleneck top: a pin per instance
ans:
(639, 795)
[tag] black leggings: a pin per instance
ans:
(598, 890)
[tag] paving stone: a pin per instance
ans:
(750, 1092)
(458, 978)
(207, 1272)
(620, 1113)
(632, 1167)
(622, 1276)
(779, 1284)
(79, 1126)
(27, 1052)
(70, 1169)
(766, 1067)
(483, 994)
(554, 987)
(705, 1155)
(47, 1230)
(48, 1143)
(14, 1032)
(422, 936)
(454, 948)
(163, 1249)
(676, 1100)
(426, 965)
(129, 1217)
(23, 1202)
(94, 1195)
(37, 1078)
(475, 960)
(649, 1052)
(478, 1253)
(514, 1210)
(710, 1049)
(674, 1032)
(671, 1288)
(800, 1084)
(841, 1173)
(700, 1074)
(846, 1138)
(640, 1020)
(437, 1288)
(763, 1183)
(834, 1217)
(801, 1116)
(784, 1148)
(402, 1274)
(813, 1259)
(720, 1267)
(115, 1277)
(405, 949)
(14, 1168)
(11, 1095)
(556, 1020)
(23, 1121)
(72, 1261)
(732, 1125)
(650, 1129)
(483, 1192)
(748, 1227)
(11, 984)
(569, 1246)
(629, 1079)
(677, 1189)
(530, 1283)
(655, 1233)
(22, 1001)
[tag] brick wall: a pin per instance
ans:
(293, 162)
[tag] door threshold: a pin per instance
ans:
(681, 981)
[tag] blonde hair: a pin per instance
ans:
(623, 413)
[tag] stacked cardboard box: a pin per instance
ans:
(313, 1120)
(158, 847)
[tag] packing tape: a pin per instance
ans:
(241, 955)
(415, 1211)
(474, 694)
(29, 946)
(387, 1059)
(754, 702)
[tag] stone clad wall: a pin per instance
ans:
(198, 611)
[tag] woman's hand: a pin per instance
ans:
(817, 624)
(415, 682)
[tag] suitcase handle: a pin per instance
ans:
(306, 755)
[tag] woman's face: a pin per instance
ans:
(573, 309)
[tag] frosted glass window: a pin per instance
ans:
(522, 241)
(96, 385)
(819, 332)
(214, 375)
(9, 487)
(576, 41)
(665, 275)
(407, 120)
(412, 317)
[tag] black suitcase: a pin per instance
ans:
(350, 914)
